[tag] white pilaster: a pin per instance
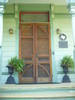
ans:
(54, 70)
(73, 27)
(73, 32)
(1, 23)
(71, 8)
(72, 11)
(2, 2)
(1, 35)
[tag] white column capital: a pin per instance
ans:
(1, 9)
(71, 8)
(2, 3)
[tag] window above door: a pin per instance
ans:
(34, 17)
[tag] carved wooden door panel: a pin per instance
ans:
(35, 49)
(43, 53)
(26, 51)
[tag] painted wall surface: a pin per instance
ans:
(64, 23)
(10, 44)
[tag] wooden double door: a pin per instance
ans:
(35, 49)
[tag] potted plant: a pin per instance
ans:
(14, 64)
(66, 62)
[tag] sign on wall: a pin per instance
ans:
(63, 43)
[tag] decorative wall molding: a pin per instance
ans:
(0, 46)
(16, 10)
(5, 73)
(52, 10)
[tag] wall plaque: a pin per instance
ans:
(63, 44)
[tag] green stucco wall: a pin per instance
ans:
(10, 45)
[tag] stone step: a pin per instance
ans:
(38, 95)
(37, 91)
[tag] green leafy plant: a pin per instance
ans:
(16, 63)
(67, 61)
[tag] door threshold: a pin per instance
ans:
(40, 83)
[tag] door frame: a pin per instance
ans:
(49, 36)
